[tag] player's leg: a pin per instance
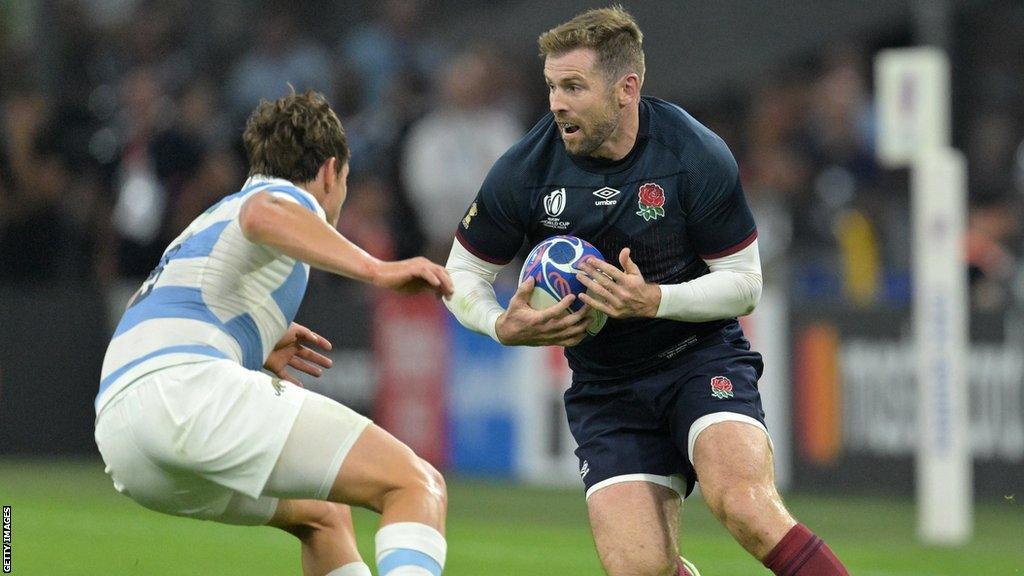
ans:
(137, 441)
(326, 533)
(332, 453)
(318, 442)
(734, 463)
(635, 526)
(385, 475)
(630, 469)
(718, 423)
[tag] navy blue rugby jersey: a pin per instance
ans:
(674, 199)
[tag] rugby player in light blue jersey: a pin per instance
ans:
(189, 425)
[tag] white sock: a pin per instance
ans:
(352, 569)
(410, 549)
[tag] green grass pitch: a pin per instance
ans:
(67, 519)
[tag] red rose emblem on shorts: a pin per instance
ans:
(652, 200)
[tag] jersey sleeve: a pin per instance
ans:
(493, 226)
(719, 222)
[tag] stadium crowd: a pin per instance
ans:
(118, 128)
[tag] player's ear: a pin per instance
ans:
(328, 173)
(629, 89)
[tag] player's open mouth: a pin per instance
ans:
(568, 128)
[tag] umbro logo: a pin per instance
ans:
(607, 196)
(584, 469)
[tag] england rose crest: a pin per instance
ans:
(652, 201)
(721, 387)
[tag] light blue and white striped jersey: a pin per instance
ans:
(214, 294)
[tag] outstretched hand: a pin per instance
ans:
(414, 275)
(293, 350)
(552, 326)
(618, 293)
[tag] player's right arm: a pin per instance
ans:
(476, 307)
(487, 239)
(299, 233)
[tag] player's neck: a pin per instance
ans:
(315, 189)
(622, 140)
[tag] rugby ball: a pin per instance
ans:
(552, 264)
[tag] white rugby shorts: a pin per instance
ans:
(216, 441)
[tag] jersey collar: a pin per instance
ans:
(263, 179)
(257, 179)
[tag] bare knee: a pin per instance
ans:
(419, 480)
(734, 506)
(753, 513)
(734, 465)
(435, 483)
(634, 564)
(319, 517)
(667, 568)
(634, 557)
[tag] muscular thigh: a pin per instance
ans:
(734, 454)
(635, 527)
(377, 464)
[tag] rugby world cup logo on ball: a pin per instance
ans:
(552, 264)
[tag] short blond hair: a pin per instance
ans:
(611, 32)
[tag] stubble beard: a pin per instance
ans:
(593, 138)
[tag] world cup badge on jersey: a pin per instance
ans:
(721, 387)
(554, 203)
(651, 201)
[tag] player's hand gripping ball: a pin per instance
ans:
(552, 263)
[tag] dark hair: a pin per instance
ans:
(611, 32)
(293, 136)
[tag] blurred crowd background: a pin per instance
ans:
(120, 121)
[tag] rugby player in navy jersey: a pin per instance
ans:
(666, 394)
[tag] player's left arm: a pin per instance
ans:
(731, 288)
(722, 230)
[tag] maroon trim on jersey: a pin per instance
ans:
(465, 244)
(734, 249)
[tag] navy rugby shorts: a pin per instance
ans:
(639, 428)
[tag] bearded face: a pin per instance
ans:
(583, 102)
(590, 128)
